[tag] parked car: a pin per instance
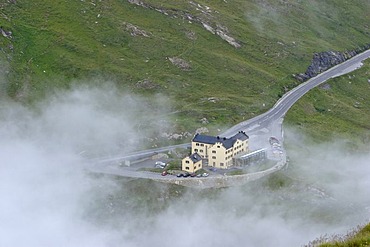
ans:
(193, 175)
(205, 174)
(164, 173)
(160, 163)
(186, 175)
(179, 175)
(199, 175)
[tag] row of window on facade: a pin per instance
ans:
(227, 158)
(228, 151)
(188, 168)
(221, 164)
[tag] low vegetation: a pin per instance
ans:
(55, 45)
(336, 110)
(356, 238)
(235, 172)
(174, 165)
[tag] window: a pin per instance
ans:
(187, 162)
(196, 150)
(201, 150)
(218, 146)
(202, 145)
(187, 168)
(221, 164)
(195, 167)
(213, 151)
(213, 157)
(199, 165)
(197, 144)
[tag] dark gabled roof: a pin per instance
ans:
(226, 142)
(205, 139)
(195, 157)
(241, 135)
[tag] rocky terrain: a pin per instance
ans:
(325, 60)
(205, 17)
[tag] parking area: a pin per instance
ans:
(172, 168)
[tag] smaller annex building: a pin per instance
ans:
(218, 151)
(192, 163)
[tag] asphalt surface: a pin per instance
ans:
(281, 107)
(258, 128)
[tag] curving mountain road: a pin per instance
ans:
(281, 107)
(258, 128)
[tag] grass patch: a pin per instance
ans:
(277, 181)
(236, 172)
(356, 238)
(55, 43)
(337, 111)
(174, 165)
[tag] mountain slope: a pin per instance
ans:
(224, 61)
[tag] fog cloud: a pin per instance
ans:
(48, 198)
(43, 181)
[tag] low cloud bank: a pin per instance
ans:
(323, 191)
(48, 199)
(44, 186)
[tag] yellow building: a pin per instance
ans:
(220, 151)
(192, 163)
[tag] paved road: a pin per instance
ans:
(141, 154)
(281, 107)
(260, 127)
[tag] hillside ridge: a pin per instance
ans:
(181, 50)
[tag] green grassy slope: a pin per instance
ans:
(56, 42)
(361, 238)
(337, 109)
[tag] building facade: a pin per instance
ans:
(192, 163)
(220, 151)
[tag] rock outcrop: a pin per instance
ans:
(175, 136)
(204, 18)
(6, 34)
(135, 30)
(325, 60)
(180, 63)
(147, 84)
